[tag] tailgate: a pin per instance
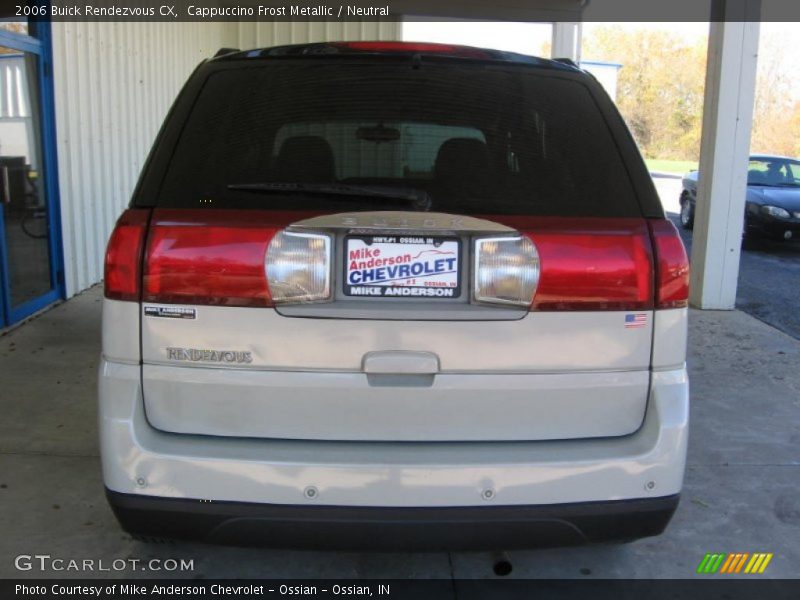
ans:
(573, 365)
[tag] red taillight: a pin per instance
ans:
(208, 257)
(672, 265)
(590, 264)
(124, 256)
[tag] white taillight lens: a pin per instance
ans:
(506, 271)
(299, 267)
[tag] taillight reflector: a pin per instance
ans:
(208, 257)
(123, 261)
(672, 265)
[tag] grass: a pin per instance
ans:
(671, 166)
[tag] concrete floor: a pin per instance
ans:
(741, 494)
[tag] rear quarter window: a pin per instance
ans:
(477, 138)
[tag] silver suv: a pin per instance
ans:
(388, 295)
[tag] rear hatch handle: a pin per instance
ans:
(400, 362)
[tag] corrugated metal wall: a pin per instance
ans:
(262, 34)
(114, 83)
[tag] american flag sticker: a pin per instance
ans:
(635, 320)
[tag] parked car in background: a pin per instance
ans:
(386, 295)
(772, 206)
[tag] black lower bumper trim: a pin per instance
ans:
(773, 228)
(370, 528)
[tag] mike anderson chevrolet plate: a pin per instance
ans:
(395, 266)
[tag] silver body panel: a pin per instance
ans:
(121, 335)
(358, 406)
(545, 342)
(139, 459)
(669, 338)
(549, 375)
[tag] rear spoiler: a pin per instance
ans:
(224, 51)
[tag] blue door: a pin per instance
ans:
(30, 248)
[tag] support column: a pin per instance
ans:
(566, 41)
(725, 148)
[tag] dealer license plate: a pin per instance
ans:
(402, 266)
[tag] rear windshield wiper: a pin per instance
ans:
(419, 198)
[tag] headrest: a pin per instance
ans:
(462, 158)
(305, 159)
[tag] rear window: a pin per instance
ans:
(472, 139)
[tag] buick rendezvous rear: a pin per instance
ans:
(394, 295)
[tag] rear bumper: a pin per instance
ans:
(516, 480)
(350, 528)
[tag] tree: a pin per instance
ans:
(776, 122)
(660, 87)
(660, 90)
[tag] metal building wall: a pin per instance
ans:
(114, 83)
(261, 34)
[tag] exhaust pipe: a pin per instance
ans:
(501, 564)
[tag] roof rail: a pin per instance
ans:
(224, 51)
(411, 49)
